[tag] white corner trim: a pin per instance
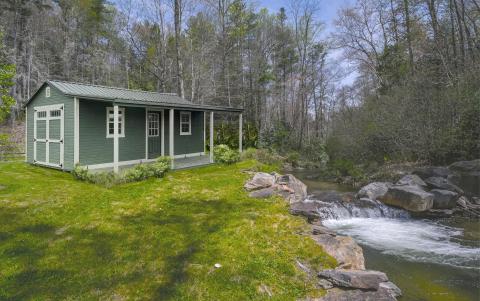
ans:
(76, 133)
(115, 135)
(162, 139)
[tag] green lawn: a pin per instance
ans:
(157, 239)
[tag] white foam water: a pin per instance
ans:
(414, 240)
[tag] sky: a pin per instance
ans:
(327, 13)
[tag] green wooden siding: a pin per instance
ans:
(56, 97)
(186, 144)
(95, 147)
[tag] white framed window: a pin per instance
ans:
(110, 123)
(47, 92)
(185, 123)
(153, 124)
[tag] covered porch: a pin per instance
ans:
(166, 125)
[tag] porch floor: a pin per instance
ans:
(188, 162)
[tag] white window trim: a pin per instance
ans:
(189, 123)
(47, 92)
(123, 122)
(158, 124)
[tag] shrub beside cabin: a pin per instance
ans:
(105, 127)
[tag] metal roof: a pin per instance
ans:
(130, 96)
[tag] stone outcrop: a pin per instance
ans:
(466, 175)
(373, 190)
(411, 180)
(264, 185)
(260, 180)
(344, 249)
(442, 183)
(444, 199)
(358, 284)
(432, 171)
(411, 198)
(361, 279)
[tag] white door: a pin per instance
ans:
(48, 135)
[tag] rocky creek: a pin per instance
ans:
(417, 238)
(430, 257)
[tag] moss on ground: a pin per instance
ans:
(156, 239)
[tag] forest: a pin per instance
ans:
(415, 95)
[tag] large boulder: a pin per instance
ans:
(466, 176)
(260, 180)
(337, 294)
(411, 198)
(432, 171)
(442, 183)
(306, 209)
(262, 193)
(294, 189)
(373, 190)
(344, 249)
(411, 180)
(361, 279)
(444, 199)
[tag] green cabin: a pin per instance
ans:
(69, 124)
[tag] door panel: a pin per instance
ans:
(154, 132)
(48, 147)
(54, 153)
(41, 129)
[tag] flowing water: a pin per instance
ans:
(429, 259)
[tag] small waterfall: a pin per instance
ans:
(337, 209)
(392, 231)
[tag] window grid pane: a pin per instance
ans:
(185, 123)
(153, 124)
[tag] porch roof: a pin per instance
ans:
(129, 96)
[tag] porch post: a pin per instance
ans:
(146, 134)
(211, 137)
(240, 133)
(115, 138)
(170, 136)
(162, 139)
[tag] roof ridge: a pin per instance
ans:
(110, 87)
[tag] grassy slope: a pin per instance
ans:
(157, 239)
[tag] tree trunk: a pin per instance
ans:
(178, 24)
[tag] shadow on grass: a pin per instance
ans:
(50, 266)
(193, 222)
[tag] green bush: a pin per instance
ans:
(293, 158)
(223, 154)
(103, 178)
(264, 156)
(138, 173)
(346, 168)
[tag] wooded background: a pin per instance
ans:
(416, 96)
